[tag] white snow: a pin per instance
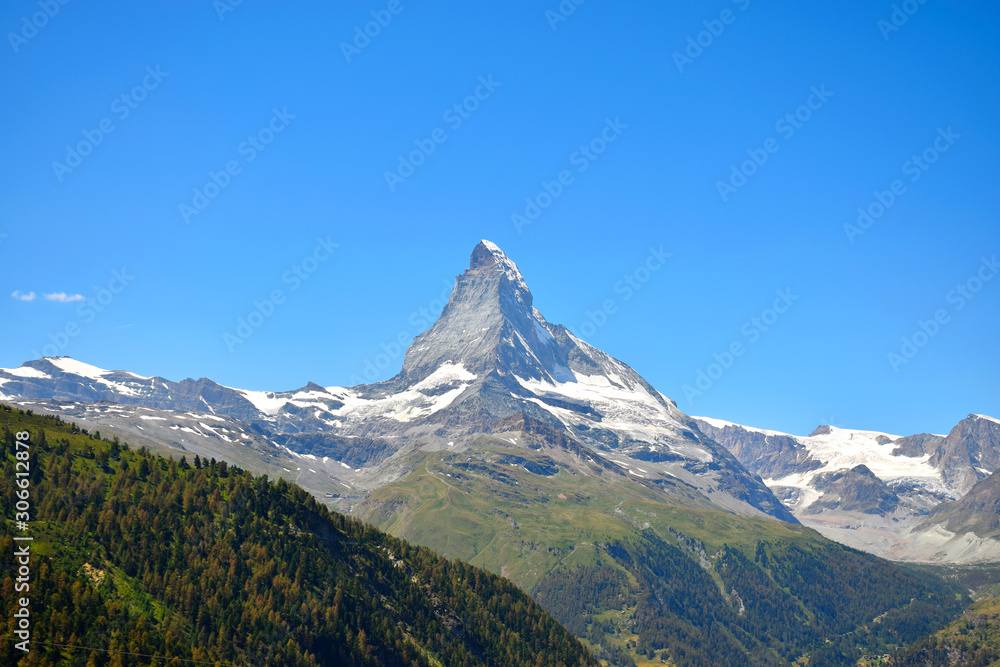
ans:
(121, 388)
(265, 401)
(509, 268)
(26, 372)
(543, 334)
(212, 417)
(843, 449)
(75, 367)
(152, 418)
(988, 418)
(632, 412)
(411, 403)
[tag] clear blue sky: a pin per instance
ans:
(885, 95)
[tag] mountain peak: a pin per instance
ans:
(489, 317)
(488, 255)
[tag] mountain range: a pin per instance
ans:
(489, 355)
(883, 493)
(512, 444)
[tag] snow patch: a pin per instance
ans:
(411, 403)
(987, 418)
(542, 333)
(70, 365)
(265, 401)
(632, 412)
(27, 372)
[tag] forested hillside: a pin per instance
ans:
(971, 641)
(135, 556)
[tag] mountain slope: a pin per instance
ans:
(637, 576)
(137, 554)
(977, 512)
(854, 490)
(971, 641)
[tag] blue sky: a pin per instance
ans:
(829, 104)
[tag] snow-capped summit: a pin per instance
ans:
(488, 254)
(523, 364)
(36, 376)
(488, 322)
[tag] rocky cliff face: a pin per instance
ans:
(854, 490)
(977, 512)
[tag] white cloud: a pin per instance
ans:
(30, 296)
(62, 297)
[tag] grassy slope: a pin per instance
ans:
(532, 528)
(516, 523)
